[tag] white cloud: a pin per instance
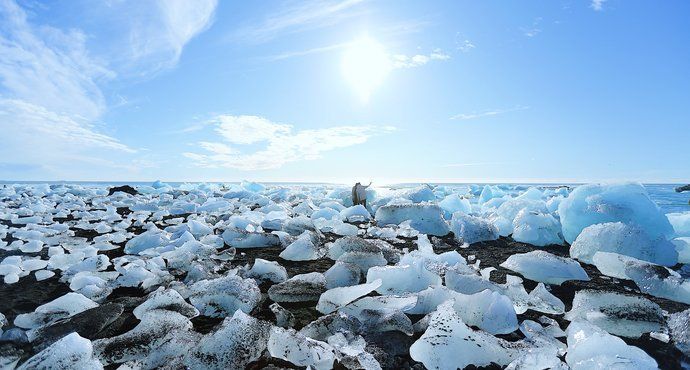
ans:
(159, 30)
(597, 5)
(300, 15)
(534, 29)
(49, 89)
(465, 46)
(473, 115)
(50, 82)
(282, 144)
(404, 61)
(249, 129)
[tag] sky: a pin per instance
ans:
(341, 91)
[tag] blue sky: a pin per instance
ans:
(339, 91)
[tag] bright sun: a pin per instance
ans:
(365, 65)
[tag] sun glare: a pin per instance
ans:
(365, 66)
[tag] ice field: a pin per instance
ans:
(233, 276)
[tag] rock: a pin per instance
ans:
(683, 188)
(124, 188)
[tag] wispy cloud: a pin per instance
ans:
(597, 5)
(301, 53)
(51, 98)
(466, 46)
(296, 17)
(154, 33)
(474, 164)
(283, 144)
(532, 30)
(494, 112)
(404, 61)
(49, 89)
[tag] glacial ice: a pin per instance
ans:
(70, 352)
(267, 270)
(335, 298)
(299, 288)
(454, 203)
(627, 203)
(59, 308)
(590, 347)
(680, 222)
(403, 279)
(239, 340)
(616, 313)
(471, 229)
(536, 228)
(622, 239)
(545, 267)
(289, 345)
(425, 218)
(305, 248)
(223, 296)
(342, 274)
(180, 262)
(448, 343)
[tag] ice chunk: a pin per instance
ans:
(299, 288)
(437, 263)
(613, 264)
(152, 238)
(590, 347)
(59, 308)
(43, 274)
(342, 274)
(616, 313)
(658, 281)
(335, 226)
(628, 203)
(679, 325)
(545, 267)
(425, 218)
(351, 349)
(199, 228)
(335, 298)
(448, 343)
(543, 301)
(471, 229)
(403, 279)
(289, 345)
(167, 299)
(363, 260)
(490, 311)
(356, 213)
(454, 203)
(241, 238)
(305, 248)
(536, 228)
(351, 244)
(223, 296)
(680, 222)
(160, 337)
(239, 341)
(70, 352)
(284, 318)
(682, 246)
(623, 239)
(327, 325)
(267, 270)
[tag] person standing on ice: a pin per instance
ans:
(359, 194)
